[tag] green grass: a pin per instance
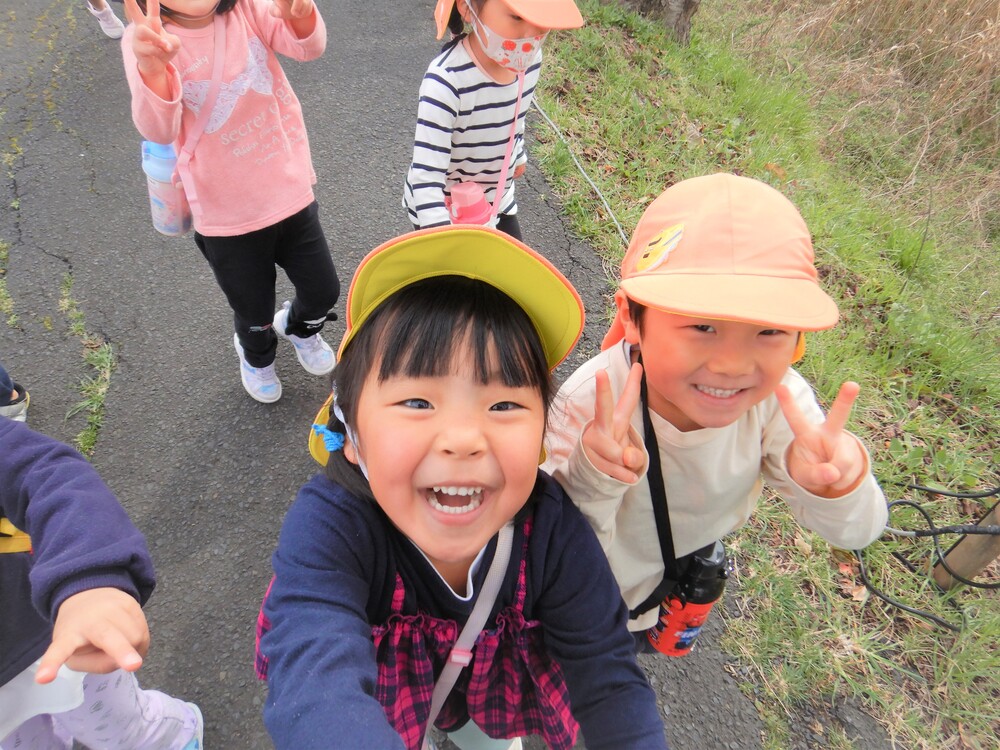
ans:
(6, 301)
(904, 235)
(100, 357)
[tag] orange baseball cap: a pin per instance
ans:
(549, 14)
(727, 248)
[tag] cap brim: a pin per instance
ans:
(476, 252)
(792, 304)
(549, 14)
(317, 448)
(442, 12)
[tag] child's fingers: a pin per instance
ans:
(133, 11)
(604, 403)
(840, 409)
(153, 9)
(301, 8)
(608, 456)
(793, 414)
(616, 470)
(118, 648)
(629, 400)
(54, 657)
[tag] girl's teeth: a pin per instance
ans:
(718, 392)
(475, 502)
(458, 490)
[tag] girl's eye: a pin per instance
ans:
(704, 328)
(416, 403)
(772, 332)
(505, 406)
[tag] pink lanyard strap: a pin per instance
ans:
(502, 180)
(206, 107)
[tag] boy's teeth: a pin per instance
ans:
(718, 392)
(475, 501)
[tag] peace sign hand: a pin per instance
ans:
(298, 14)
(289, 9)
(154, 47)
(606, 439)
(824, 458)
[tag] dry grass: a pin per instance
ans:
(947, 50)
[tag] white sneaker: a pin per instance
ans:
(110, 23)
(315, 355)
(17, 409)
(260, 382)
(198, 741)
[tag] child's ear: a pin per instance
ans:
(800, 348)
(625, 318)
(463, 10)
(350, 452)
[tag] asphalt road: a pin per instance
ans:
(206, 472)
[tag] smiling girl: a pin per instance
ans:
(431, 456)
(205, 77)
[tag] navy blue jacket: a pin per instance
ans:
(81, 539)
(335, 567)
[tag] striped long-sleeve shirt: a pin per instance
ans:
(463, 125)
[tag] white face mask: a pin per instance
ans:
(513, 54)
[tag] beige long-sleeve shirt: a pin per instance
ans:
(712, 476)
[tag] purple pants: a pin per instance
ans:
(115, 713)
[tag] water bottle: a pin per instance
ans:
(684, 612)
(468, 204)
(167, 202)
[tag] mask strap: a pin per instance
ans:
(351, 435)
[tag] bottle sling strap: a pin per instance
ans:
(657, 491)
(502, 179)
(461, 652)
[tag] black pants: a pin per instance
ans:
(244, 267)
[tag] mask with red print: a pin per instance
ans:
(513, 54)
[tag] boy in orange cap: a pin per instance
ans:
(473, 99)
(718, 287)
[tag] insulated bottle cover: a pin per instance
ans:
(167, 202)
(468, 204)
(683, 612)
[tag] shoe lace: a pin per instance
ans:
(310, 344)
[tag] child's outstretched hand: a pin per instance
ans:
(291, 8)
(154, 47)
(606, 439)
(99, 631)
(298, 14)
(824, 458)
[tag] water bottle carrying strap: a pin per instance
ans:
(654, 476)
(184, 157)
(502, 179)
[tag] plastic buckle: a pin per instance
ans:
(460, 656)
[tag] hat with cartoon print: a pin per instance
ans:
(727, 248)
(548, 14)
(475, 252)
